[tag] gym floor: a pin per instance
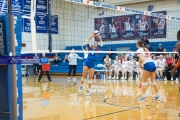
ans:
(109, 100)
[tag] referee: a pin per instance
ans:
(44, 60)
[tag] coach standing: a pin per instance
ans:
(44, 60)
(72, 57)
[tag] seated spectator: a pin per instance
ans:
(57, 59)
(145, 40)
(128, 55)
(161, 63)
(110, 54)
(159, 49)
(107, 63)
(66, 58)
(170, 62)
(149, 47)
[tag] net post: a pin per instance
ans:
(49, 27)
(13, 66)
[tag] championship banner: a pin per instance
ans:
(158, 26)
(41, 23)
(128, 27)
(27, 5)
(17, 5)
(142, 26)
(114, 30)
(41, 6)
(27, 23)
(101, 25)
(54, 24)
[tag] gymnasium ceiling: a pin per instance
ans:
(123, 2)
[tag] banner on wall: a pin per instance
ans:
(17, 5)
(27, 5)
(54, 24)
(41, 23)
(26, 23)
(158, 26)
(41, 6)
(101, 25)
(142, 26)
(131, 27)
(114, 28)
(128, 27)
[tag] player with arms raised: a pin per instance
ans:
(89, 64)
(149, 69)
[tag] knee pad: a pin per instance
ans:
(144, 83)
(82, 79)
(154, 83)
(89, 81)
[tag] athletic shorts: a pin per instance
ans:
(89, 64)
(150, 67)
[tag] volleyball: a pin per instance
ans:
(97, 32)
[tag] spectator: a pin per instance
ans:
(128, 55)
(57, 59)
(159, 49)
(170, 65)
(66, 58)
(36, 64)
(145, 40)
(149, 47)
(110, 54)
(44, 60)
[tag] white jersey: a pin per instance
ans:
(131, 64)
(162, 22)
(106, 61)
(161, 63)
(102, 27)
(117, 63)
(155, 62)
(125, 64)
(145, 55)
(127, 26)
(136, 65)
(143, 25)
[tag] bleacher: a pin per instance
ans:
(63, 66)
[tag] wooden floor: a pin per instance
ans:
(109, 100)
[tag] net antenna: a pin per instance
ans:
(33, 25)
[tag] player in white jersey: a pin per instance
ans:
(102, 27)
(107, 63)
(125, 68)
(161, 63)
(117, 64)
(131, 69)
(112, 28)
(149, 69)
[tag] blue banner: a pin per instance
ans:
(54, 24)
(17, 5)
(41, 6)
(27, 5)
(27, 23)
(41, 23)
